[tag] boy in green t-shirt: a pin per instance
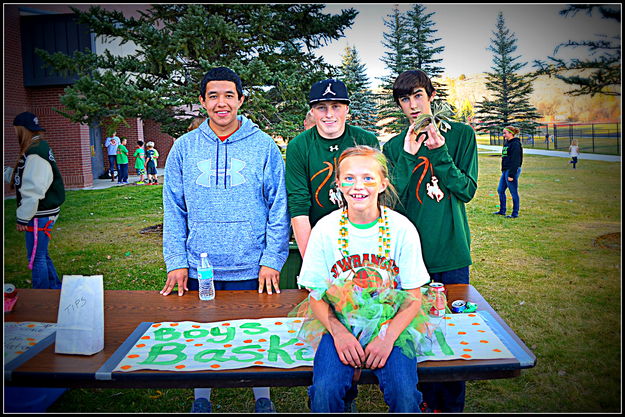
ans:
(122, 162)
(140, 161)
(311, 157)
(435, 174)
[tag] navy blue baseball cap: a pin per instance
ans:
(28, 120)
(328, 90)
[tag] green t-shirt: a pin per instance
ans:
(122, 154)
(442, 225)
(140, 161)
(310, 163)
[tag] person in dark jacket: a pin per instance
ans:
(39, 192)
(511, 161)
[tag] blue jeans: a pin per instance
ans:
(455, 276)
(332, 380)
(43, 274)
(513, 186)
(112, 163)
(122, 174)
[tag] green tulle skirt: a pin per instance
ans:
(366, 313)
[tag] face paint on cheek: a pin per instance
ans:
(347, 184)
(370, 183)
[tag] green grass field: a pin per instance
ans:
(553, 274)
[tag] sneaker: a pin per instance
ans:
(264, 405)
(499, 213)
(140, 182)
(512, 216)
(202, 405)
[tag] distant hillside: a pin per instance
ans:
(548, 97)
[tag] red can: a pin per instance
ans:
(438, 297)
(438, 286)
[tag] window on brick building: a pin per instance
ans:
(52, 33)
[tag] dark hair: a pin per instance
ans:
(407, 81)
(221, 74)
(512, 129)
(140, 142)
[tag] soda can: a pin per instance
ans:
(437, 312)
(10, 291)
(438, 287)
(438, 299)
(458, 306)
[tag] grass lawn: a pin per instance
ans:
(553, 274)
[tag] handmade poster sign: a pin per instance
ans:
(464, 336)
(80, 323)
(22, 336)
(272, 342)
(191, 346)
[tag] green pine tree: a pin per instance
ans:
(598, 75)
(510, 104)
(362, 108)
(422, 52)
(395, 40)
(270, 46)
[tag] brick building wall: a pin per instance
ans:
(70, 141)
(16, 99)
(162, 141)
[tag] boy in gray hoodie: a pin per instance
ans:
(224, 194)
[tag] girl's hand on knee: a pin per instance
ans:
(349, 350)
(377, 352)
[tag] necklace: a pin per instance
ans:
(384, 234)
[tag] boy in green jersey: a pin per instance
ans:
(311, 157)
(435, 174)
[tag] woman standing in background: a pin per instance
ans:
(39, 191)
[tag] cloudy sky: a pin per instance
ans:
(465, 31)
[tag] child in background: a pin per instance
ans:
(122, 162)
(573, 152)
(365, 308)
(140, 161)
(151, 157)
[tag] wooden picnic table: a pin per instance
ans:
(125, 310)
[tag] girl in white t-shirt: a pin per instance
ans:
(364, 268)
(573, 152)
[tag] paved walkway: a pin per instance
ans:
(132, 179)
(99, 184)
(561, 154)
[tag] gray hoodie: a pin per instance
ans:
(227, 199)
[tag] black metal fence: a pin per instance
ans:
(602, 138)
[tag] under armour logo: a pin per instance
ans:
(329, 90)
(334, 148)
(210, 176)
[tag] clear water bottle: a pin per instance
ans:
(205, 278)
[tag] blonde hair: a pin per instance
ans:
(150, 144)
(390, 198)
(195, 123)
(25, 138)
(309, 120)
